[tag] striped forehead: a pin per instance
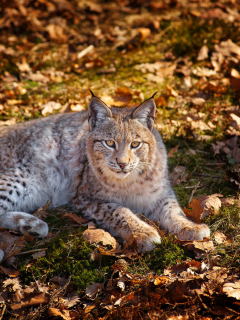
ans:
(121, 128)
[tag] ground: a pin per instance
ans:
(51, 54)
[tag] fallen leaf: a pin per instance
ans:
(9, 272)
(219, 237)
(56, 33)
(64, 314)
(232, 289)
(42, 213)
(93, 289)
(171, 91)
(172, 152)
(210, 204)
(74, 218)
(153, 78)
(199, 246)
(15, 283)
(176, 174)
(195, 213)
(160, 281)
(71, 300)
(36, 77)
(203, 72)
(145, 32)
(123, 97)
(61, 281)
(39, 254)
(203, 53)
(50, 107)
(99, 235)
(227, 48)
(88, 308)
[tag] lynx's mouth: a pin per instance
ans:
(120, 173)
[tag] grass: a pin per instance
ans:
(68, 253)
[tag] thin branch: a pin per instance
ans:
(30, 251)
(208, 175)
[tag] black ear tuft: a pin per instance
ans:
(98, 112)
(93, 95)
(145, 113)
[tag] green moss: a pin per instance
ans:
(167, 253)
(68, 255)
(188, 36)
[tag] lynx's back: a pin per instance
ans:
(34, 160)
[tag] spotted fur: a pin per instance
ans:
(65, 159)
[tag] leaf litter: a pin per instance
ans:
(38, 80)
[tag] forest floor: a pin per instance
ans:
(51, 53)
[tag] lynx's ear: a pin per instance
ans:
(145, 113)
(97, 112)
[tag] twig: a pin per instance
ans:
(30, 251)
(194, 190)
(3, 311)
(208, 175)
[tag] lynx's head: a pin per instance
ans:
(120, 142)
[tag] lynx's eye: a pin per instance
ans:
(135, 144)
(110, 143)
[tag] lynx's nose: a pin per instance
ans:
(122, 164)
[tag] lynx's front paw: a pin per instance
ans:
(25, 223)
(146, 239)
(33, 226)
(194, 232)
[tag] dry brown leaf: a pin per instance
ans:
(36, 77)
(89, 307)
(203, 72)
(76, 107)
(235, 118)
(56, 33)
(153, 78)
(59, 280)
(39, 254)
(176, 174)
(227, 48)
(130, 249)
(123, 97)
(232, 289)
(160, 281)
(171, 91)
(93, 289)
(145, 32)
(166, 71)
(71, 300)
(14, 282)
(50, 107)
(99, 235)
(195, 213)
(203, 53)
(64, 314)
(9, 272)
(172, 152)
(199, 246)
(210, 204)
(74, 218)
(227, 202)
(219, 237)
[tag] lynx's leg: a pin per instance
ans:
(25, 223)
(173, 220)
(121, 222)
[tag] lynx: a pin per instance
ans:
(110, 164)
